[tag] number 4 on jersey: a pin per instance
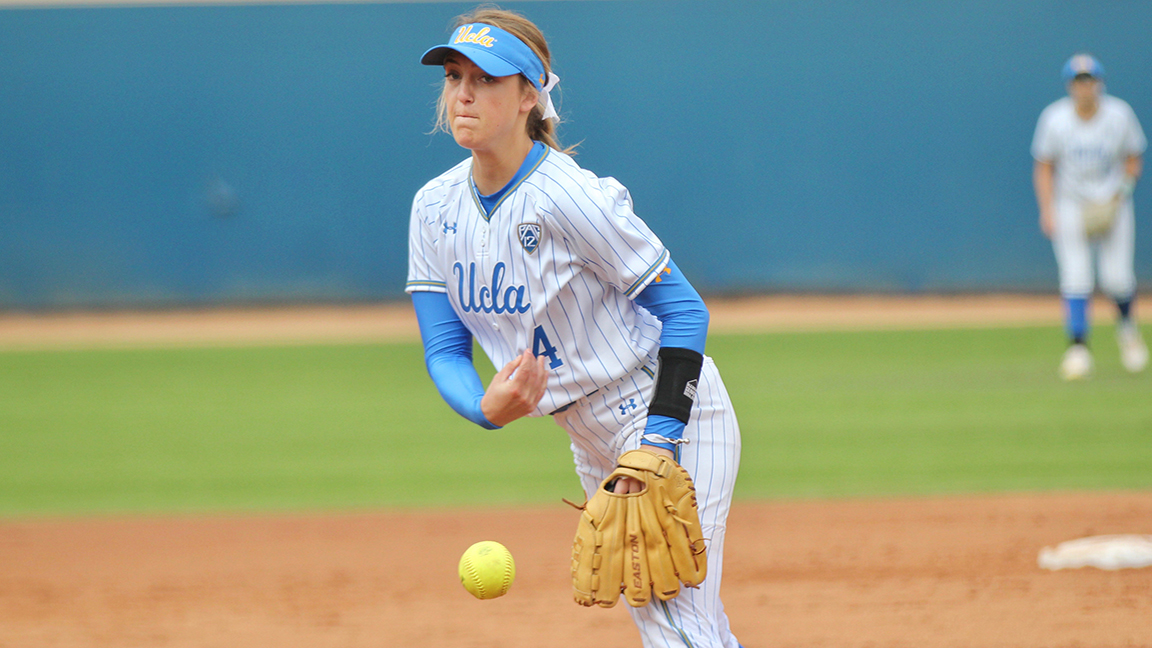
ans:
(541, 347)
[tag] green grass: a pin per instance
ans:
(917, 412)
(348, 426)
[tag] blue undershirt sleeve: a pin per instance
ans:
(448, 356)
(684, 318)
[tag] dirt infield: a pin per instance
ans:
(952, 572)
(922, 573)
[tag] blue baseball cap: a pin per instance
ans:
(1082, 64)
(494, 50)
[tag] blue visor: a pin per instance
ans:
(494, 50)
(1082, 64)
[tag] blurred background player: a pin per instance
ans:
(1088, 150)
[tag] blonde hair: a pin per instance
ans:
(539, 129)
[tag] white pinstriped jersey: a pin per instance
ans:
(553, 268)
(1089, 155)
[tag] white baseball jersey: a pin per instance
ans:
(1088, 155)
(553, 268)
(1089, 159)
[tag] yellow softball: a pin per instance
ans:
(487, 570)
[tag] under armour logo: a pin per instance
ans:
(624, 407)
(448, 227)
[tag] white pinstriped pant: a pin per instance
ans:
(1114, 252)
(608, 423)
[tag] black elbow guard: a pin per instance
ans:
(676, 376)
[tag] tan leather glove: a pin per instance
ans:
(641, 543)
(1099, 217)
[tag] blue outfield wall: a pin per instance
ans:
(169, 155)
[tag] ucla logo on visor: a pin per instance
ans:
(496, 51)
(466, 35)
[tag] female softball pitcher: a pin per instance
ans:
(1088, 151)
(571, 294)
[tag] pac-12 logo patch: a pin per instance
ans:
(529, 234)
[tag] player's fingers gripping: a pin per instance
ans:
(500, 403)
(626, 485)
(509, 369)
(533, 377)
(515, 391)
(543, 374)
(530, 379)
